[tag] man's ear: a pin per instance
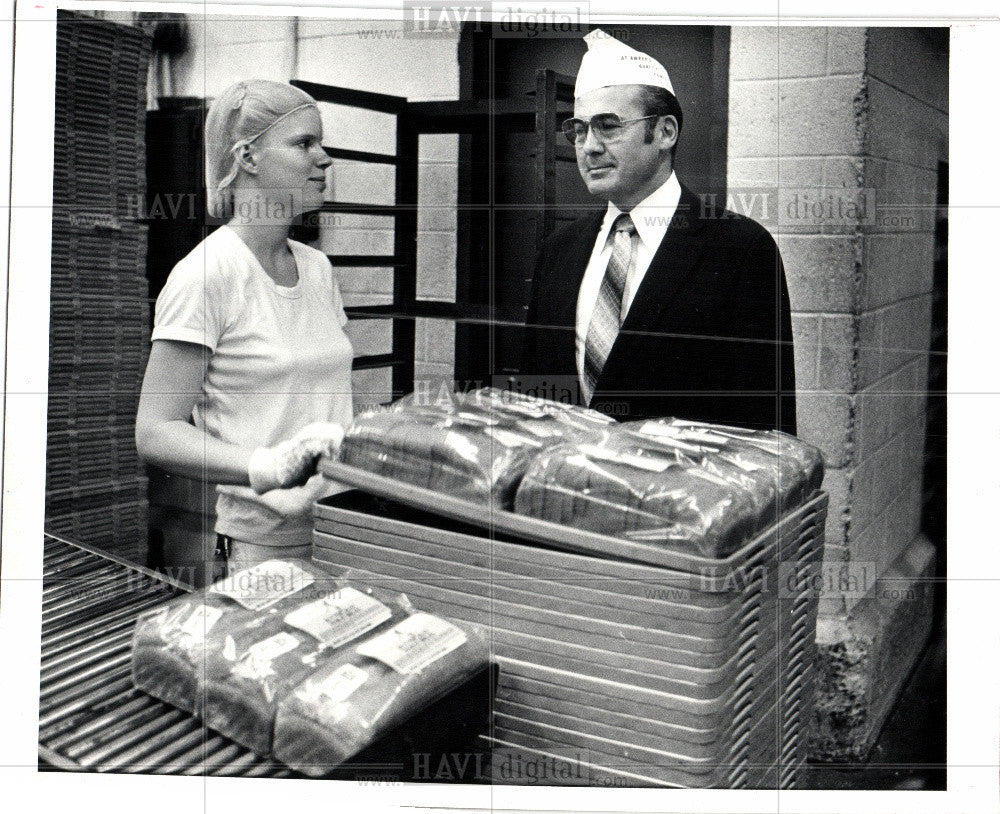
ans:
(247, 159)
(667, 130)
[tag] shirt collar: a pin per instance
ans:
(651, 215)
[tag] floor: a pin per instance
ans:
(910, 751)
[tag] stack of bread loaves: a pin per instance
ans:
(475, 446)
(688, 486)
(287, 660)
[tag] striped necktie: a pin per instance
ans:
(607, 317)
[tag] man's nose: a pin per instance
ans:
(591, 143)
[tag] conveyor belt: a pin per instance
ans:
(90, 716)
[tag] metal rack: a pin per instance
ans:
(91, 718)
(413, 119)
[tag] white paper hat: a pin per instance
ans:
(611, 62)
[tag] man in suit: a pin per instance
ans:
(659, 305)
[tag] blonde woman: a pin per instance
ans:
(248, 382)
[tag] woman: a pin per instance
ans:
(248, 337)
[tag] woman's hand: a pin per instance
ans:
(293, 462)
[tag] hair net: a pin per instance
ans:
(239, 115)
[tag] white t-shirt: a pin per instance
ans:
(280, 360)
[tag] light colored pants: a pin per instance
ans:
(244, 555)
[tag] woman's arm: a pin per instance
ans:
(163, 435)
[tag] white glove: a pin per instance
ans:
(292, 462)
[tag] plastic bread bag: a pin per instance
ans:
(258, 664)
(371, 688)
(542, 418)
(528, 411)
(637, 493)
(799, 464)
(170, 644)
(467, 454)
(761, 482)
(475, 446)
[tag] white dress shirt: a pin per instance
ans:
(651, 217)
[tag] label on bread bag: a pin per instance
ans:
(256, 662)
(201, 621)
(339, 618)
(170, 618)
(414, 643)
(263, 585)
(339, 685)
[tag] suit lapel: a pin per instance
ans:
(557, 291)
(573, 265)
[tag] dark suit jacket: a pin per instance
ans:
(708, 335)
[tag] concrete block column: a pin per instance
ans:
(824, 124)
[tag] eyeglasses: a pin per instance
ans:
(606, 126)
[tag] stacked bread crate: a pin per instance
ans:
(99, 315)
(687, 673)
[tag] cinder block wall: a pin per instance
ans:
(854, 116)
(904, 108)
